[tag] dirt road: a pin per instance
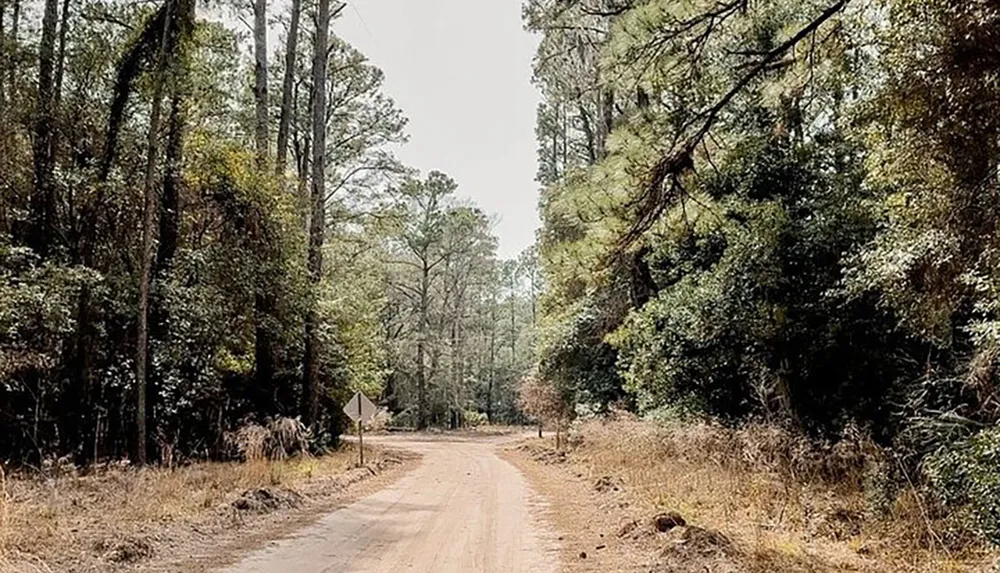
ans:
(464, 510)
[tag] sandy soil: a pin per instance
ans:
(588, 521)
(211, 547)
(463, 510)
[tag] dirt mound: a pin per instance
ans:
(550, 457)
(608, 483)
(125, 549)
(705, 540)
(542, 454)
(266, 500)
(628, 528)
(666, 521)
(692, 541)
(694, 549)
(353, 476)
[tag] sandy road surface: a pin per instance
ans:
(464, 510)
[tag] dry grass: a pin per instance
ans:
(789, 505)
(44, 519)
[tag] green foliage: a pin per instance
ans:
(578, 362)
(458, 320)
(230, 293)
(805, 233)
(748, 319)
(354, 300)
(36, 310)
(965, 478)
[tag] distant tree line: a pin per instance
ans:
(202, 225)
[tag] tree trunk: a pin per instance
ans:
(608, 112)
(534, 298)
(263, 303)
(43, 201)
(12, 70)
(79, 404)
(454, 381)
(170, 213)
(170, 205)
(458, 351)
(284, 124)
(82, 380)
(150, 208)
(303, 162)
(591, 136)
(303, 185)
(641, 98)
(260, 81)
(555, 145)
(421, 387)
(565, 138)
(61, 57)
(513, 321)
(263, 342)
(421, 341)
(493, 370)
(169, 208)
(317, 222)
(4, 59)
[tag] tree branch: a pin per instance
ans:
(657, 195)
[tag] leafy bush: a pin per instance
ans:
(965, 478)
(578, 361)
(474, 419)
(749, 319)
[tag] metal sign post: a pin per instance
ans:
(360, 409)
(361, 437)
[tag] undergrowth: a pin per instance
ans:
(784, 495)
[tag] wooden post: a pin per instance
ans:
(361, 433)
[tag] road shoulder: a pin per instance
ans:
(192, 518)
(586, 522)
(604, 525)
(222, 545)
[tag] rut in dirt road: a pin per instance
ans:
(464, 510)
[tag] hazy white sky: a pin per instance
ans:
(461, 71)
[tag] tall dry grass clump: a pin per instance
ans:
(762, 483)
(278, 439)
(43, 512)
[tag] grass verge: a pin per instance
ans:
(117, 518)
(753, 500)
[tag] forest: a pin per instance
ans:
(780, 211)
(757, 211)
(203, 225)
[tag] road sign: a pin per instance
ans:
(360, 408)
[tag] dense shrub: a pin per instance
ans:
(965, 479)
